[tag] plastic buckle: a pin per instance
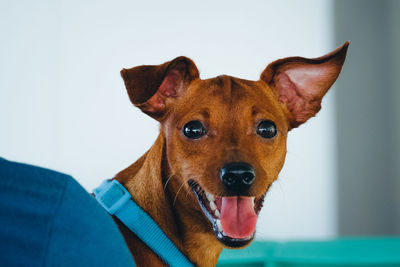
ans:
(112, 196)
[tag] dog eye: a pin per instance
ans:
(266, 129)
(194, 129)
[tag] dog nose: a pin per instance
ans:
(237, 176)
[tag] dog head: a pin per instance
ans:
(225, 136)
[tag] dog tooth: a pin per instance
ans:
(209, 196)
(213, 206)
(252, 200)
(216, 212)
(219, 225)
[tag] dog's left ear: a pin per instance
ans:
(300, 83)
(153, 88)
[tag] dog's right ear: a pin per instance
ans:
(154, 88)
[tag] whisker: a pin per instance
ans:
(168, 179)
(176, 196)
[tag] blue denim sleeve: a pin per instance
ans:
(48, 219)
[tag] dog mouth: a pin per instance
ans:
(233, 218)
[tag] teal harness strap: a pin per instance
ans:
(118, 202)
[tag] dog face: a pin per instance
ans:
(219, 122)
(226, 137)
(215, 144)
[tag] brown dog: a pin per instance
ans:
(222, 143)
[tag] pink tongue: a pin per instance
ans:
(238, 217)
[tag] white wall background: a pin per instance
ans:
(63, 104)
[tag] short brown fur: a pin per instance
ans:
(230, 109)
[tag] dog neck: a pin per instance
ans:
(161, 195)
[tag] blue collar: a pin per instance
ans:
(118, 202)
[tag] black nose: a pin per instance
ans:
(237, 176)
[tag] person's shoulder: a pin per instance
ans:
(30, 177)
(17, 168)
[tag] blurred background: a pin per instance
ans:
(63, 104)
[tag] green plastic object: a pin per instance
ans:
(340, 252)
